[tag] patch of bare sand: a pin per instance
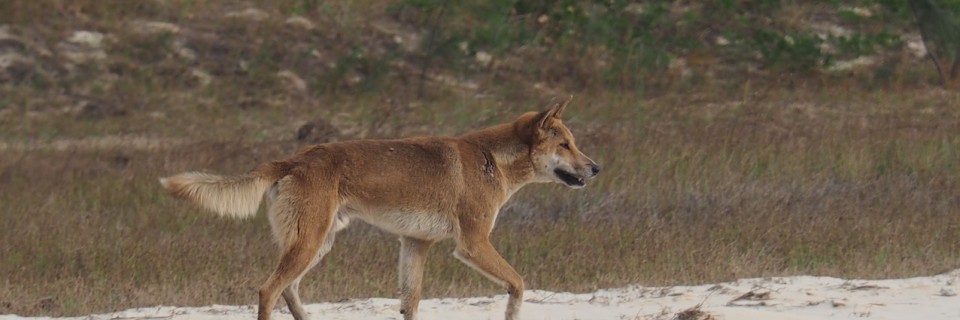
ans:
(800, 298)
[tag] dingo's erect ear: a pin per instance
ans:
(555, 112)
(562, 106)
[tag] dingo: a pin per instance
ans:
(422, 189)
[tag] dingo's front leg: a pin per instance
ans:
(478, 253)
(413, 253)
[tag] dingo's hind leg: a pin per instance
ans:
(292, 293)
(302, 218)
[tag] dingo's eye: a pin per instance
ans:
(565, 145)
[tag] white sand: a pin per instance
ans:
(787, 298)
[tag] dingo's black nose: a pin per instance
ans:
(595, 168)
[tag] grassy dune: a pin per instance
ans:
(706, 177)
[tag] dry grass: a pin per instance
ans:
(698, 191)
(701, 183)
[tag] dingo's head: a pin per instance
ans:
(554, 152)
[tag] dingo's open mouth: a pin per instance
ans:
(569, 178)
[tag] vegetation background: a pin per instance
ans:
(739, 138)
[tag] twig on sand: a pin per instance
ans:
(693, 313)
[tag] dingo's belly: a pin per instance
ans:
(421, 225)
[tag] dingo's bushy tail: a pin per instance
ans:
(231, 196)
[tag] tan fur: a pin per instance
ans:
(238, 197)
(423, 189)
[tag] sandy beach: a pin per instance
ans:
(800, 297)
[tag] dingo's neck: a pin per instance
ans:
(510, 152)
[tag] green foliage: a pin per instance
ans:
(861, 44)
(303, 7)
(356, 66)
(900, 8)
(641, 38)
(796, 52)
(939, 24)
(564, 26)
